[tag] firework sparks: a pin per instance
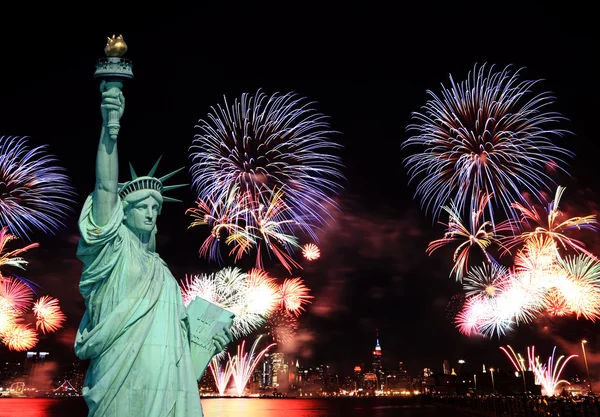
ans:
(311, 252)
(282, 326)
(15, 295)
(19, 337)
(263, 143)
(479, 234)
(553, 227)
(293, 294)
(549, 374)
(220, 375)
(484, 135)
(36, 194)
(251, 297)
(48, 315)
(11, 258)
(243, 364)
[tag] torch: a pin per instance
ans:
(114, 70)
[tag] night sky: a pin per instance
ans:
(367, 68)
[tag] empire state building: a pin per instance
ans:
(377, 362)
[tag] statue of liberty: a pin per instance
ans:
(135, 331)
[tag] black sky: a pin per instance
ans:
(368, 67)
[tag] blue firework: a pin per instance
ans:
(35, 192)
(263, 145)
(488, 134)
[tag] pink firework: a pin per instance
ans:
(48, 315)
(293, 294)
(19, 337)
(311, 252)
(14, 294)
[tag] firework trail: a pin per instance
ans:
(35, 193)
(262, 144)
(223, 218)
(220, 375)
(518, 361)
(549, 374)
(488, 134)
(243, 364)
(478, 234)
(311, 252)
(48, 315)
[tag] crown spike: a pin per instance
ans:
(173, 187)
(153, 170)
(170, 200)
(166, 177)
(133, 174)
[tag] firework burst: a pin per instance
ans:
(19, 337)
(48, 315)
(479, 233)
(311, 252)
(293, 294)
(489, 134)
(251, 297)
(35, 193)
(262, 144)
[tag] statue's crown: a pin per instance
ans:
(149, 182)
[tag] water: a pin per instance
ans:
(245, 407)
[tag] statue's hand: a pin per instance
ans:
(112, 100)
(220, 340)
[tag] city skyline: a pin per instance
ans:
(366, 70)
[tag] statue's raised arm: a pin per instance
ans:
(107, 160)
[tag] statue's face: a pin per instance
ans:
(141, 216)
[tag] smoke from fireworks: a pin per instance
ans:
(35, 193)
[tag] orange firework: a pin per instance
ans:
(48, 315)
(311, 251)
(14, 294)
(8, 317)
(20, 337)
(293, 294)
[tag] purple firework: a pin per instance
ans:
(267, 144)
(35, 193)
(489, 134)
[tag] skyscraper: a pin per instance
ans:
(377, 361)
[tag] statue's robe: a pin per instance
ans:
(135, 329)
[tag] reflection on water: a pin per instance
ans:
(246, 407)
